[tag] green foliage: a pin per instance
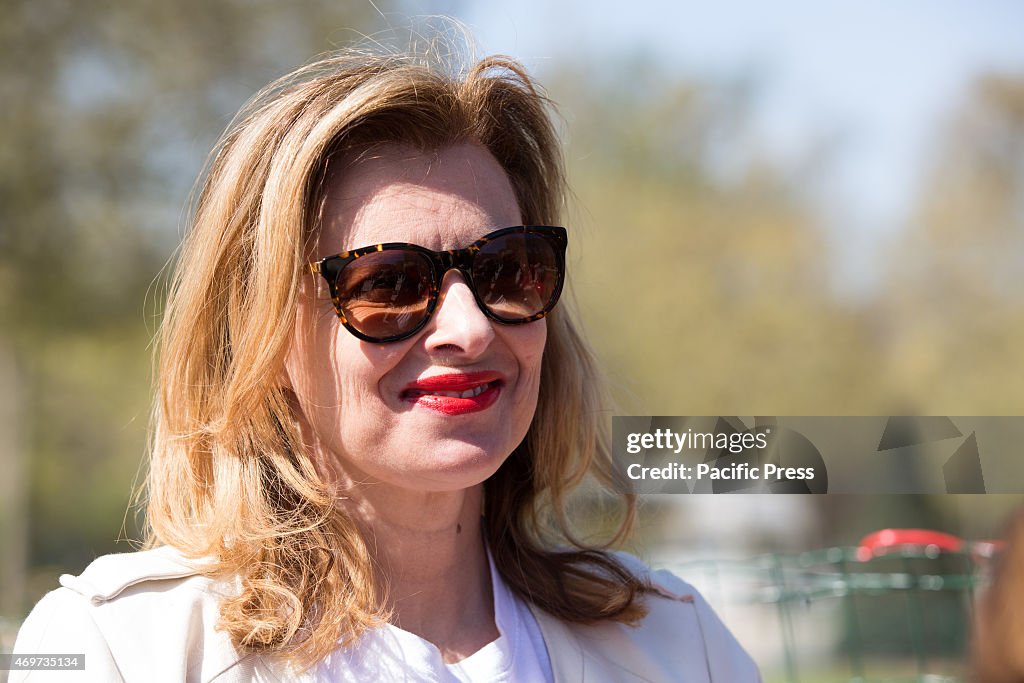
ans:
(704, 294)
(954, 314)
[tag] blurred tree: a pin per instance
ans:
(954, 316)
(703, 273)
(109, 111)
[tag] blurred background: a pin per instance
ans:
(787, 208)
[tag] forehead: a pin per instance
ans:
(439, 200)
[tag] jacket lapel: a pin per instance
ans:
(569, 661)
(564, 649)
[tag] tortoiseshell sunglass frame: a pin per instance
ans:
(441, 262)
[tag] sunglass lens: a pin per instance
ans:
(386, 293)
(517, 275)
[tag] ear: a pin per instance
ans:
(284, 380)
(284, 375)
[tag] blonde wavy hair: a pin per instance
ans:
(229, 477)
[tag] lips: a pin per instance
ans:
(455, 393)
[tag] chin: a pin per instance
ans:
(462, 471)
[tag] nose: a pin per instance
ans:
(458, 325)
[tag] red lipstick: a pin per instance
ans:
(455, 393)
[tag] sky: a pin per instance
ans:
(875, 78)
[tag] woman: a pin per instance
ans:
(371, 414)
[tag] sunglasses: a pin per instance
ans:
(387, 292)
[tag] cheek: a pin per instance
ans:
(329, 369)
(362, 369)
(308, 359)
(528, 345)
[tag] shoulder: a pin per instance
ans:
(681, 638)
(135, 613)
(107, 577)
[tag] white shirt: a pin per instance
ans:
(392, 654)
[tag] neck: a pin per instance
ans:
(430, 558)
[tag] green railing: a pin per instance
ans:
(904, 599)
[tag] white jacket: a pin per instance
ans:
(149, 616)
